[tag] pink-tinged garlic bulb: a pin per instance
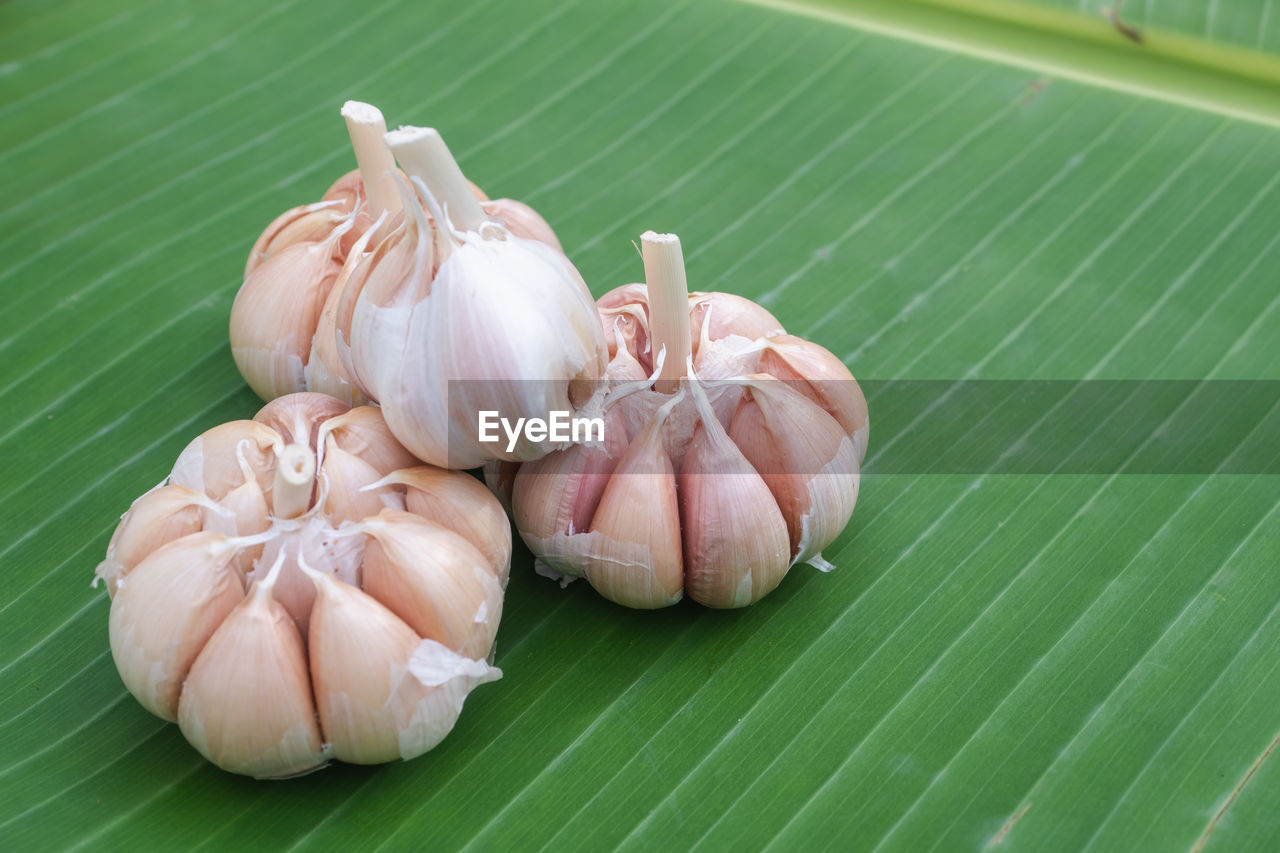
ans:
(731, 452)
(457, 312)
(301, 588)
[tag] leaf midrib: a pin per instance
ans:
(1180, 69)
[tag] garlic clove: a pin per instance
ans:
(728, 334)
(308, 223)
(373, 707)
(554, 498)
(374, 314)
(297, 417)
(159, 517)
(276, 312)
(349, 191)
(345, 479)
(521, 220)
(815, 372)
(804, 457)
(165, 610)
(637, 561)
(636, 295)
(628, 334)
(359, 653)
(246, 704)
(719, 315)
(433, 579)
(735, 538)
(325, 371)
(219, 459)
(242, 512)
(462, 504)
(364, 433)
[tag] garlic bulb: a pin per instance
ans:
(302, 588)
(731, 452)
(457, 313)
(289, 321)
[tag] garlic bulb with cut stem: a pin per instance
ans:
(456, 313)
(301, 588)
(731, 452)
(288, 328)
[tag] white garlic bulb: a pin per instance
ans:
(731, 452)
(301, 588)
(457, 313)
(290, 321)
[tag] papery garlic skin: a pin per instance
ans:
(305, 512)
(733, 452)
(459, 314)
(157, 518)
(434, 665)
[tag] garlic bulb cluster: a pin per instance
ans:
(731, 452)
(301, 589)
(290, 322)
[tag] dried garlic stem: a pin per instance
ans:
(368, 132)
(423, 154)
(668, 306)
(295, 476)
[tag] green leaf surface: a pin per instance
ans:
(1250, 24)
(1027, 662)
